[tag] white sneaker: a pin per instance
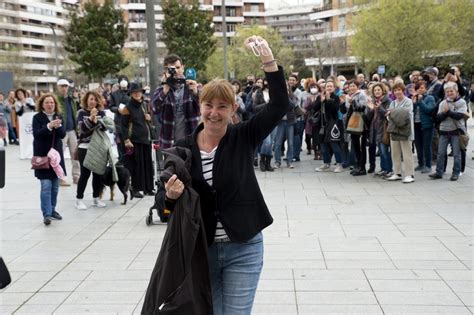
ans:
(80, 205)
(99, 204)
(460, 174)
(323, 168)
(338, 168)
(408, 179)
(394, 177)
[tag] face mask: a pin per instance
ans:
(426, 78)
(313, 90)
(250, 83)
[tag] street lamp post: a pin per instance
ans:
(224, 37)
(55, 39)
(151, 42)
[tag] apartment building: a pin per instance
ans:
(238, 12)
(295, 26)
(335, 18)
(31, 32)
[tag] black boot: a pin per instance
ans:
(263, 159)
(268, 164)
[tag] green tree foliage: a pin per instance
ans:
(407, 34)
(94, 40)
(242, 62)
(187, 32)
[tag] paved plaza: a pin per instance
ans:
(339, 244)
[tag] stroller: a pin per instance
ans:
(159, 204)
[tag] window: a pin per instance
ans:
(230, 27)
(230, 11)
(341, 22)
(254, 8)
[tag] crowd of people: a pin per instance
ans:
(353, 120)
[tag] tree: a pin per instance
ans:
(187, 32)
(95, 40)
(14, 60)
(398, 33)
(241, 61)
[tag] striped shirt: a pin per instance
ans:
(207, 164)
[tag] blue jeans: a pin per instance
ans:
(444, 140)
(49, 196)
(11, 133)
(235, 270)
(427, 145)
(336, 150)
(385, 158)
(298, 138)
(282, 129)
(267, 144)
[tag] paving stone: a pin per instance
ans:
(409, 285)
(339, 309)
(418, 298)
(37, 309)
(424, 310)
(95, 309)
(335, 298)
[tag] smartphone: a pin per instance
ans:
(191, 74)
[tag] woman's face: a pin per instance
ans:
(398, 93)
(49, 105)
(329, 87)
(378, 91)
(353, 88)
(451, 93)
(137, 95)
(422, 89)
(259, 83)
(21, 95)
(216, 114)
(91, 102)
(236, 88)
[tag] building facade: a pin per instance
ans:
(332, 46)
(31, 34)
(295, 26)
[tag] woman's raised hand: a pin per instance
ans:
(174, 187)
(259, 46)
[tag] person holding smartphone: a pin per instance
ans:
(175, 103)
(48, 132)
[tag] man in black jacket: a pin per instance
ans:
(118, 100)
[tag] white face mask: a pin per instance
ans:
(313, 90)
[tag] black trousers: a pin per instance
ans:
(359, 143)
(140, 166)
(84, 178)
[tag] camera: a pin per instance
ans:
(172, 80)
(452, 71)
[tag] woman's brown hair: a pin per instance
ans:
(98, 98)
(39, 104)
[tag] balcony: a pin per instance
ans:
(229, 19)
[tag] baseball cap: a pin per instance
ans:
(63, 82)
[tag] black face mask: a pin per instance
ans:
(426, 78)
(250, 83)
(265, 86)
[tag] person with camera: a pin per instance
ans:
(48, 132)
(176, 103)
(233, 209)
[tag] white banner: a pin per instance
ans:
(26, 135)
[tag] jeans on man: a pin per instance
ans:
(235, 270)
(267, 144)
(333, 147)
(49, 196)
(444, 140)
(284, 129)
(11, 133)
(427, 146)
(385, 158)
(419, 144)
(298, 138)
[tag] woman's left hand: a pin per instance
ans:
(259, 46)
(174, 187)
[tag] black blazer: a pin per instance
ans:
(42, 141)
(133, 123)
(235, 196)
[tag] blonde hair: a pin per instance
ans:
(39, 104)
(218, 89)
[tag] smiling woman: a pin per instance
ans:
(233, 209)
